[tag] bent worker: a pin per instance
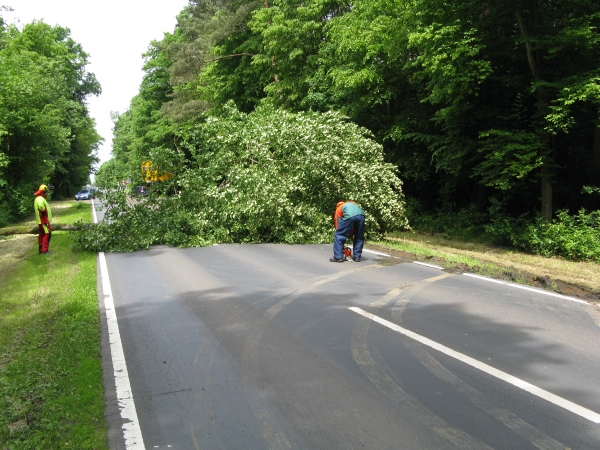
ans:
(43, 216)
(349, 218)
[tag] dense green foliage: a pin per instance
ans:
(46, 134)
(575, 237)
(266, 176)
(489, 110)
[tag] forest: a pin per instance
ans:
(46, 133)
(488, 111)
(472, 119)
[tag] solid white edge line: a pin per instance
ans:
(559, 401)
(94, 212)
(527, 288)
(428, 265)
(484, 278)
(377, 253)
(132, 434)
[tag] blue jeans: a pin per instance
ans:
(343, 232)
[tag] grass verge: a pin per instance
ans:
(51, 393)
(581, 279)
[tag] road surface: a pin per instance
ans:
(256, 347)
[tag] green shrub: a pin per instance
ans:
(267, 176)
(16, 202)
(502, 229)
(465, 224)
(574, 237)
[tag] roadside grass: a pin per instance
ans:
(64, 211)
(51, 392)
(446, 259)
(71, 212)
(551, 273)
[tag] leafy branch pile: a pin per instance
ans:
(267, 176)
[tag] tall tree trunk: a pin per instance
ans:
(547, 169)
(534, 58)
(546, 193)
(275, 77)
(482, 197)
(596, 143)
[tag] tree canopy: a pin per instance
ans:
(46, 134)
(492, 107)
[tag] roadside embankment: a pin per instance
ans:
(579, 279)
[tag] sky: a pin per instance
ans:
(115, 33)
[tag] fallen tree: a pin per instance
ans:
(26, 229)
(266, 176)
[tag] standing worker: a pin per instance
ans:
(43, 216)
(349, 218)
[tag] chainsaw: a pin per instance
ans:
(347, 253)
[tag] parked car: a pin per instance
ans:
(85, 194)
(139, 190)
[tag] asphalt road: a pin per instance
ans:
(255, 347)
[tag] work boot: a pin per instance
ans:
(336, 260)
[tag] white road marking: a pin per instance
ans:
(519, 286)
(428, 265)
(131, 426)
(377, 253)
(559, 401)
(527, 288)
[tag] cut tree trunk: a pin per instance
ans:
(26, 229)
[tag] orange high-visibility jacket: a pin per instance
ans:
(339, 213)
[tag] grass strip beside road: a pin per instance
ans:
(51, 392)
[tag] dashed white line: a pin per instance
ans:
(519, 286)
(527, 288)
(376, 253)
(131, 426)
(555, 399)
(428, 265)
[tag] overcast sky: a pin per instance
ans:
(114, 33)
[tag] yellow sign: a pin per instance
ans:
(150, 172)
